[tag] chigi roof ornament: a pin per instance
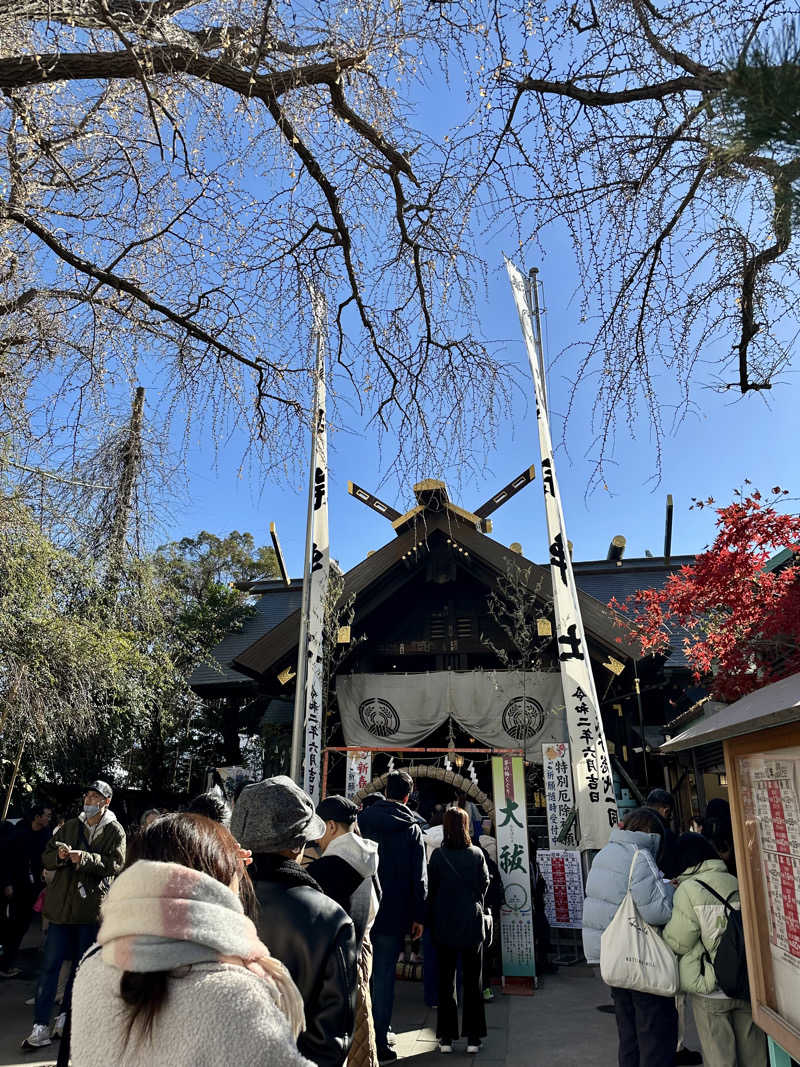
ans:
(432, 497)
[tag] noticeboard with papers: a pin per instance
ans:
(765, 803)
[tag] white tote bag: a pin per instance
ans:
(633, 955)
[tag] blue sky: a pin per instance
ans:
(727, 439)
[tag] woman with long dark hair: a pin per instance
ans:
(717, 828)
(179, 977)
(457, 882)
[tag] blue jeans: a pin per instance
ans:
(64, 941)
(386, 949)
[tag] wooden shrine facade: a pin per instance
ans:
(421, 605)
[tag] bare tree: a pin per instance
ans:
(620, 119)
(173, 170)
(522, 619)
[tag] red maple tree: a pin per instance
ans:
(741, 622)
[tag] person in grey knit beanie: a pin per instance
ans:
(303, 927)
(275, 816)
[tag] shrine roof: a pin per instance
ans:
(601, 624)
(276, 602)
(608, 579)
(774, 705)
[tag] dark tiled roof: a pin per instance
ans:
(604, 580)
(271, 608)
(600, 622)
(785, 558)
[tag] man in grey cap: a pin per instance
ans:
(86, 854)
(310, 933)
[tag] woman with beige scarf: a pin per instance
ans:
(179, 977)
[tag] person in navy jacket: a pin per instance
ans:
(403, 878)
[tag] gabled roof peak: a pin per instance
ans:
(433, 499)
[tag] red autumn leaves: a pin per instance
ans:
(743, 621)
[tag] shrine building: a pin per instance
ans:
(431, 664)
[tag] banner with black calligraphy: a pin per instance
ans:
(513, 859)
(594, 785)
(320, 569)
(559, 795)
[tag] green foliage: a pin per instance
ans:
(196, 565)
(97, 686)
(64, 664)
(763, 94)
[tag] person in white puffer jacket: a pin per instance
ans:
(647, 1025)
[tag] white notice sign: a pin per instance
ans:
(559, 793)
(563, 898)
(516, 914)
(359, 772)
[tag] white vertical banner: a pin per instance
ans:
(320, 567)
(358, 773)
(559, 792)
(513, 859)
(594, 784)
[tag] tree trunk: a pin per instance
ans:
(131, 462)
(230, 732)
(13, 781)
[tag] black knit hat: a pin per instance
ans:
(660, 798)
(340, 809)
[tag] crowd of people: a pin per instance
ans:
(683, 886)
(272, 930)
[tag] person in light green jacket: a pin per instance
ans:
(728, 1035)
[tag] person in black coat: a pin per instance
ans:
(663, 804)
(300, 925)
(403, 878)
(347, 870)
(20, 881)
(458, 879)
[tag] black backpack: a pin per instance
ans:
(730, 961)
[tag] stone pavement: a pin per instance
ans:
(16, 1018)
(559, 1024)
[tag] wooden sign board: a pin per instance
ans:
(764, 787)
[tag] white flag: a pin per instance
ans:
(358, 773)
(320, 569)
(594, 784)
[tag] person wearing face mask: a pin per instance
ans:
(85, 853)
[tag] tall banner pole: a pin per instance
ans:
(596, 802)
(307, 724)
